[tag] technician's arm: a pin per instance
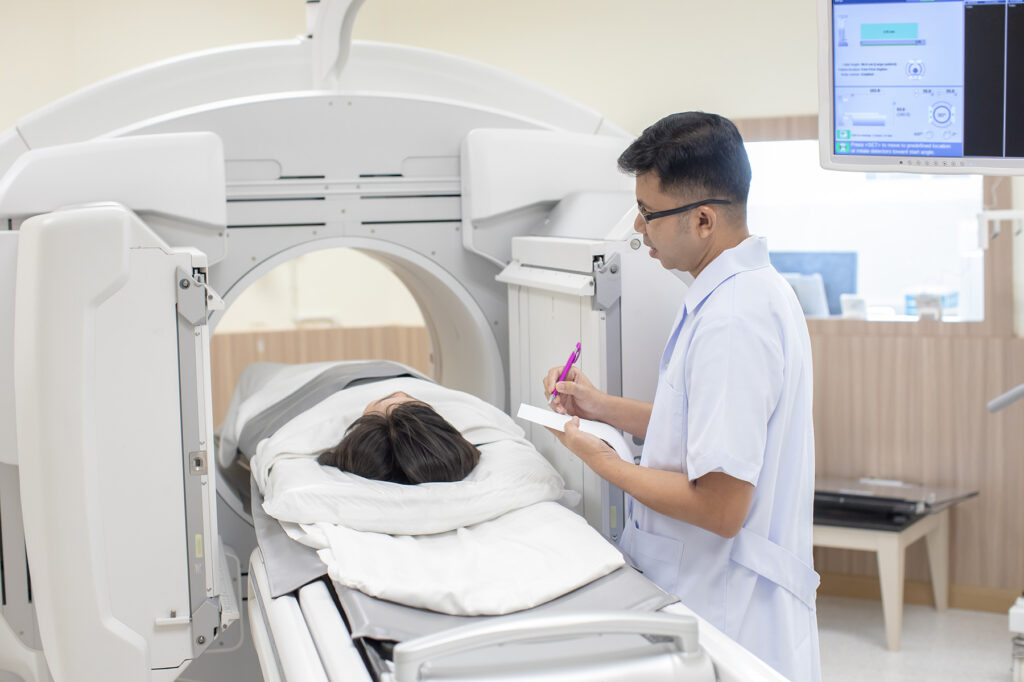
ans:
(716, 502)
(578, 397)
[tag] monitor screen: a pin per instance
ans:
(922, 85)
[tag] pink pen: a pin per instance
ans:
(573, 357)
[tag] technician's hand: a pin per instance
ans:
(589, 448)
(576, 395)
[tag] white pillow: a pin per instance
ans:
(511, 474)
(322, 426)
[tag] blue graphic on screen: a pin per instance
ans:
(899, 78)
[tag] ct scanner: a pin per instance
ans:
(136, 210)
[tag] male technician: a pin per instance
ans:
(721, 508)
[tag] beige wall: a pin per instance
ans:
(52, 48)
(633, 61)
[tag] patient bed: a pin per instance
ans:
(612, 629)
(307, 626)
(322, 630)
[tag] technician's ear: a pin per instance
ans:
(707, 221)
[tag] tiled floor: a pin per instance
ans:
(957, 645)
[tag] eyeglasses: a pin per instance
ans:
(648, 217)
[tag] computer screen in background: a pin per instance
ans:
(838, 270)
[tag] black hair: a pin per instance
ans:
(692, 150)
(409, 443)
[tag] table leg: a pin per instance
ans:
(890, 575)
(938, 560)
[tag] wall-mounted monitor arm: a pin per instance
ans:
(1006, 399)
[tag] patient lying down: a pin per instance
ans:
(436, 501)
(403, 440)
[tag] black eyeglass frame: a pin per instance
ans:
(648, 217)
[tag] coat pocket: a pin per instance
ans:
(658, 556)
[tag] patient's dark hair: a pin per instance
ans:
(410, 443)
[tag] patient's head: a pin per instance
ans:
(382, 405)
(403, 440)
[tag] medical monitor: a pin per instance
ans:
(932, 86)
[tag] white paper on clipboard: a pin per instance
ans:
(609, 434)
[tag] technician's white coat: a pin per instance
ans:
(734, 395)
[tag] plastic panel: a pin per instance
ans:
(507, 172)
(180, 176)
(19, 634)
(8, 268)
(11, 147)
(651, 298)
(503, 170)
(96, 353)
(545, 323)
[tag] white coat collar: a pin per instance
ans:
(750, 254)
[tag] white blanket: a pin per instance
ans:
(517, 561)
(493, 543)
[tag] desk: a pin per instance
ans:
(890, 545)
